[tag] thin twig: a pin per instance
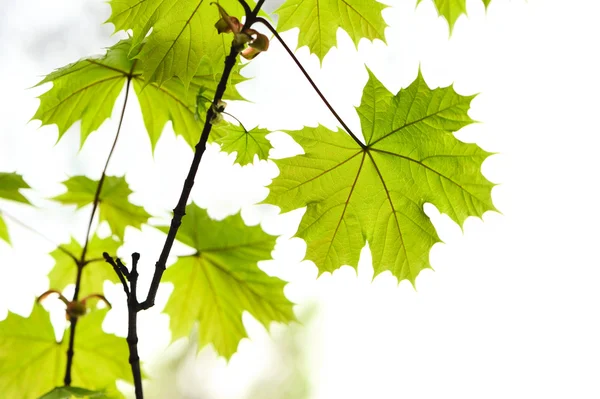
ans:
(81, 261)
(312, 83)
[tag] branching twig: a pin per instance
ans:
(312, 83)
(133, 307)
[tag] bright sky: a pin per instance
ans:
(512, 308)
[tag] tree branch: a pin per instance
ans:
(312, 83)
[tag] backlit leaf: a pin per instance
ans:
(87, 90)
(452, 9)
(319, 21)
(222, 280)
(183, 40)
(246, 144)
(94, 273)
(32, 362)
(10, 184)
(376, 194)
(113, 201)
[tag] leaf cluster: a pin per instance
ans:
(355, 190)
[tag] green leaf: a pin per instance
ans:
(452, 9)
(376, 194)
(222, 280)
(319, 21)
(184, 39)
(10, 184)
(247, 144)
(87, 90)
(94, 273)
(113, 204)
(73, 392)
(32, 362)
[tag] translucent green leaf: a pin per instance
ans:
(74, 392)
(87, 91)
(319, 21)
(246, 144)
(113, 201)
(94, 273)
(377, 194)
(452, 9)
(4, 230)
(222, 280)
(10, 184)
(184, 39)
(32, 362)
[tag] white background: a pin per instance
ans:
(512, 309)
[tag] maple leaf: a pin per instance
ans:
(452, 9)
(87, 90)
(222, 280)
(74, 392)
(183, 38)
(246, 144)
(113, 204)
(94, 273)
(318, 21)
(376, 193)
(10, 184)
(32, 362)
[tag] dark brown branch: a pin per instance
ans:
(312, 83)
(81, 262)
(133, 307)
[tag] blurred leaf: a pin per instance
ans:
(94, 273)
(32, 362)
(10, 184)
(4, 230)
(220, 282)
(245, 143)
(113, 201)
(73, 392)
(319, 20)
(78, 87)
(452, 9)
(376, 193)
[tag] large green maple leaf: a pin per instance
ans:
(376, 193)
(10, 184)
(32, 362)
(113, 203)
(452, 9)
(318, 21)
(95, 271)
(87, 90)
(222, 280)
(183, 40)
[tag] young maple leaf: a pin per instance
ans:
(375, 192)
(113, 202)
(76, 88)
(452, 9)
(183, 38)
(32, 362)
(318, 21)
(222, 280)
